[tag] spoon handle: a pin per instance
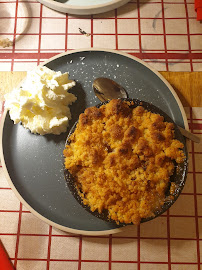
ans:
(189, 135)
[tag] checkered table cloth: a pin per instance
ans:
(165, 33)
(171, 241)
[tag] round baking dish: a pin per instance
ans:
(178, 177)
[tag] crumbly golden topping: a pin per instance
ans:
(122, 159)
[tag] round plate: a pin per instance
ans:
(33, 164)
(80, 7)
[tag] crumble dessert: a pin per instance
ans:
(121, 159)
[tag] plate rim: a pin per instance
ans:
(83, 10)
(14, 189)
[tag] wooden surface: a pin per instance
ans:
(188, 85)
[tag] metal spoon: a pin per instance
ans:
(106, 89)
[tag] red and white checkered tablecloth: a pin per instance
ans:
(172, 241)
(165, 33)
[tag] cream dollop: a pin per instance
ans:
(41, 104)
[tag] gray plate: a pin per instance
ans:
(35, 163)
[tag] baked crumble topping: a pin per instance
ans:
(121, 159)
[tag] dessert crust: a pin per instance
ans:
(121, 159)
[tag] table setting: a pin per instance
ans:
(54, 50)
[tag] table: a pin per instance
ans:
(166, 35)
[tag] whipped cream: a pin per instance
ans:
(41, 104)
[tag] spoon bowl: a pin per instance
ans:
(106, 89)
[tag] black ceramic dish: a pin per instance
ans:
(178, 177)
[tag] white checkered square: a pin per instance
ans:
(95, 249)
(52, 42)
(184, 267)
(183, 251)
(180, 66)
(21, 65)
(7, 25)
(121, 266)
(8, 200)
(64, 248)
(195, 27)
(94, 265)
(29, 10)
(101, 41)
(179, 230)
(128, 245)
(104, 26)
(174, 10)
(197, 114)
(196, 42)
(75, 24)
(154, 42)
(27, 42)
(53, 26)
(155, 228)
(34, 265)
(153, 10)
(152, 266)
(5, 65)
(180, 43)
(149, 26)
(159, 250)
(36, 226)
(197, 66)
(127, 26)
(33, 247)
(128, 42)
(7, 9)
(184, 206)
(9, 222)
(78, 41)
(57, 265)
(173, 26)
(27, 26)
